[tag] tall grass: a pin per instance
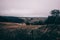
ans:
(41, 33)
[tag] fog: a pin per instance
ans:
(28, 8)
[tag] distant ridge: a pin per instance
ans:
(18, 19)
(10, 19)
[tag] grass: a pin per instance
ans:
(29, 32)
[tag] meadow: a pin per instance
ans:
(15, 31)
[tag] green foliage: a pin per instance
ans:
(55, 12)
(28, 34)
(38, 23)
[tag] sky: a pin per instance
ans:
(28, 8)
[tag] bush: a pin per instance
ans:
(26, 34)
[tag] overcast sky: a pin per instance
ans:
(28, 8)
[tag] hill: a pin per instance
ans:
(20, 19)
(10, 19)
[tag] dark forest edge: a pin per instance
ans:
(27, 20)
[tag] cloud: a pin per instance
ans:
(28, 7)
(22, 13)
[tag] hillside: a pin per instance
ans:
(10, 19)
(20, 19)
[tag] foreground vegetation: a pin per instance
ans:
(50, 32)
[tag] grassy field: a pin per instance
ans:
(19, 25)
(15, 31)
